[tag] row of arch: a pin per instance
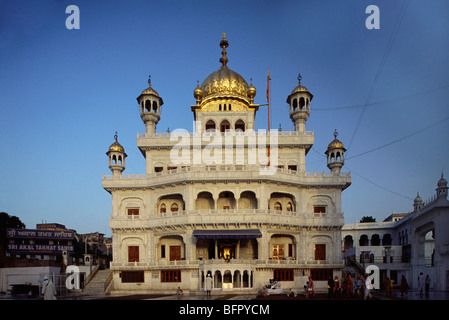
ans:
(227, 200)
(300, 104)
(224, 125)
(149, 106)
(245, 199)
(228, 279)
(364, 240)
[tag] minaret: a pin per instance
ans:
(299, 102)
(442, 188)
(335, 155)
(116, 155)
(417, 203)
(150, 107)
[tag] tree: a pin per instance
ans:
(6, 222)
(367, 219)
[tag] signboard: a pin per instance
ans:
(40, 234)
(26, 248)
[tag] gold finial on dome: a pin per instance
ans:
(198, 93)
(299, 78)
(116, 146)
(336, 143)
(224, 44)
(251, 92)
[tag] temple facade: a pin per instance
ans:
(225, 200)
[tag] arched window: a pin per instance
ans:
(210, 125)
(301, 103)
(174, 207)
(148, 105)
(154, 106)
(239, 125)
(289, 206)
(375, 240)
(225, 125)
(295, 104)
(114, 159)
(277, 206)
(163, 208)
(363, 241)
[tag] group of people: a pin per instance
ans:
(348, 289)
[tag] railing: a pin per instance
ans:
(209, 168)
(90, 276)
(241, 216)
(108, 281)
(232, 262)
(227, 133)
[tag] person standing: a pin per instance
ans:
(427, 284)
(387, 284)
(404, 286)
(208, 284)
(48, 289)
(367, 289)
(420, 284)
(310, 288)
(330, 287)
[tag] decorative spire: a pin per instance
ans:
(335, 133)
(116, 136)
(149, 80)
(299, 78)
(224, 44)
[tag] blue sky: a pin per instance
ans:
(64, 93)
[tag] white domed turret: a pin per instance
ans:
(150, 107)
(116, 155)
(299, 102)
(417, 203)
(442, 187)
(335, 155)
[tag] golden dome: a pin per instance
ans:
(224, 80)
(300, 88)
(150, 90)
(116, 146)
(335, 143)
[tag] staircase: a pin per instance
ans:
(96, 285)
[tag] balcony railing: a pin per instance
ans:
(227, 133)
(252, 263)
(251, 171)
(239, 216)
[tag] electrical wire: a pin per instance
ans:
(379, 186)
(379, 70)
(381, 102)
(400, 139)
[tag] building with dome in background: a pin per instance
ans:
(225, 200)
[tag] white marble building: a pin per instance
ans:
(210, 202)
(406, 244)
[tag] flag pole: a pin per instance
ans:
(268, 101)
(268, 97)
